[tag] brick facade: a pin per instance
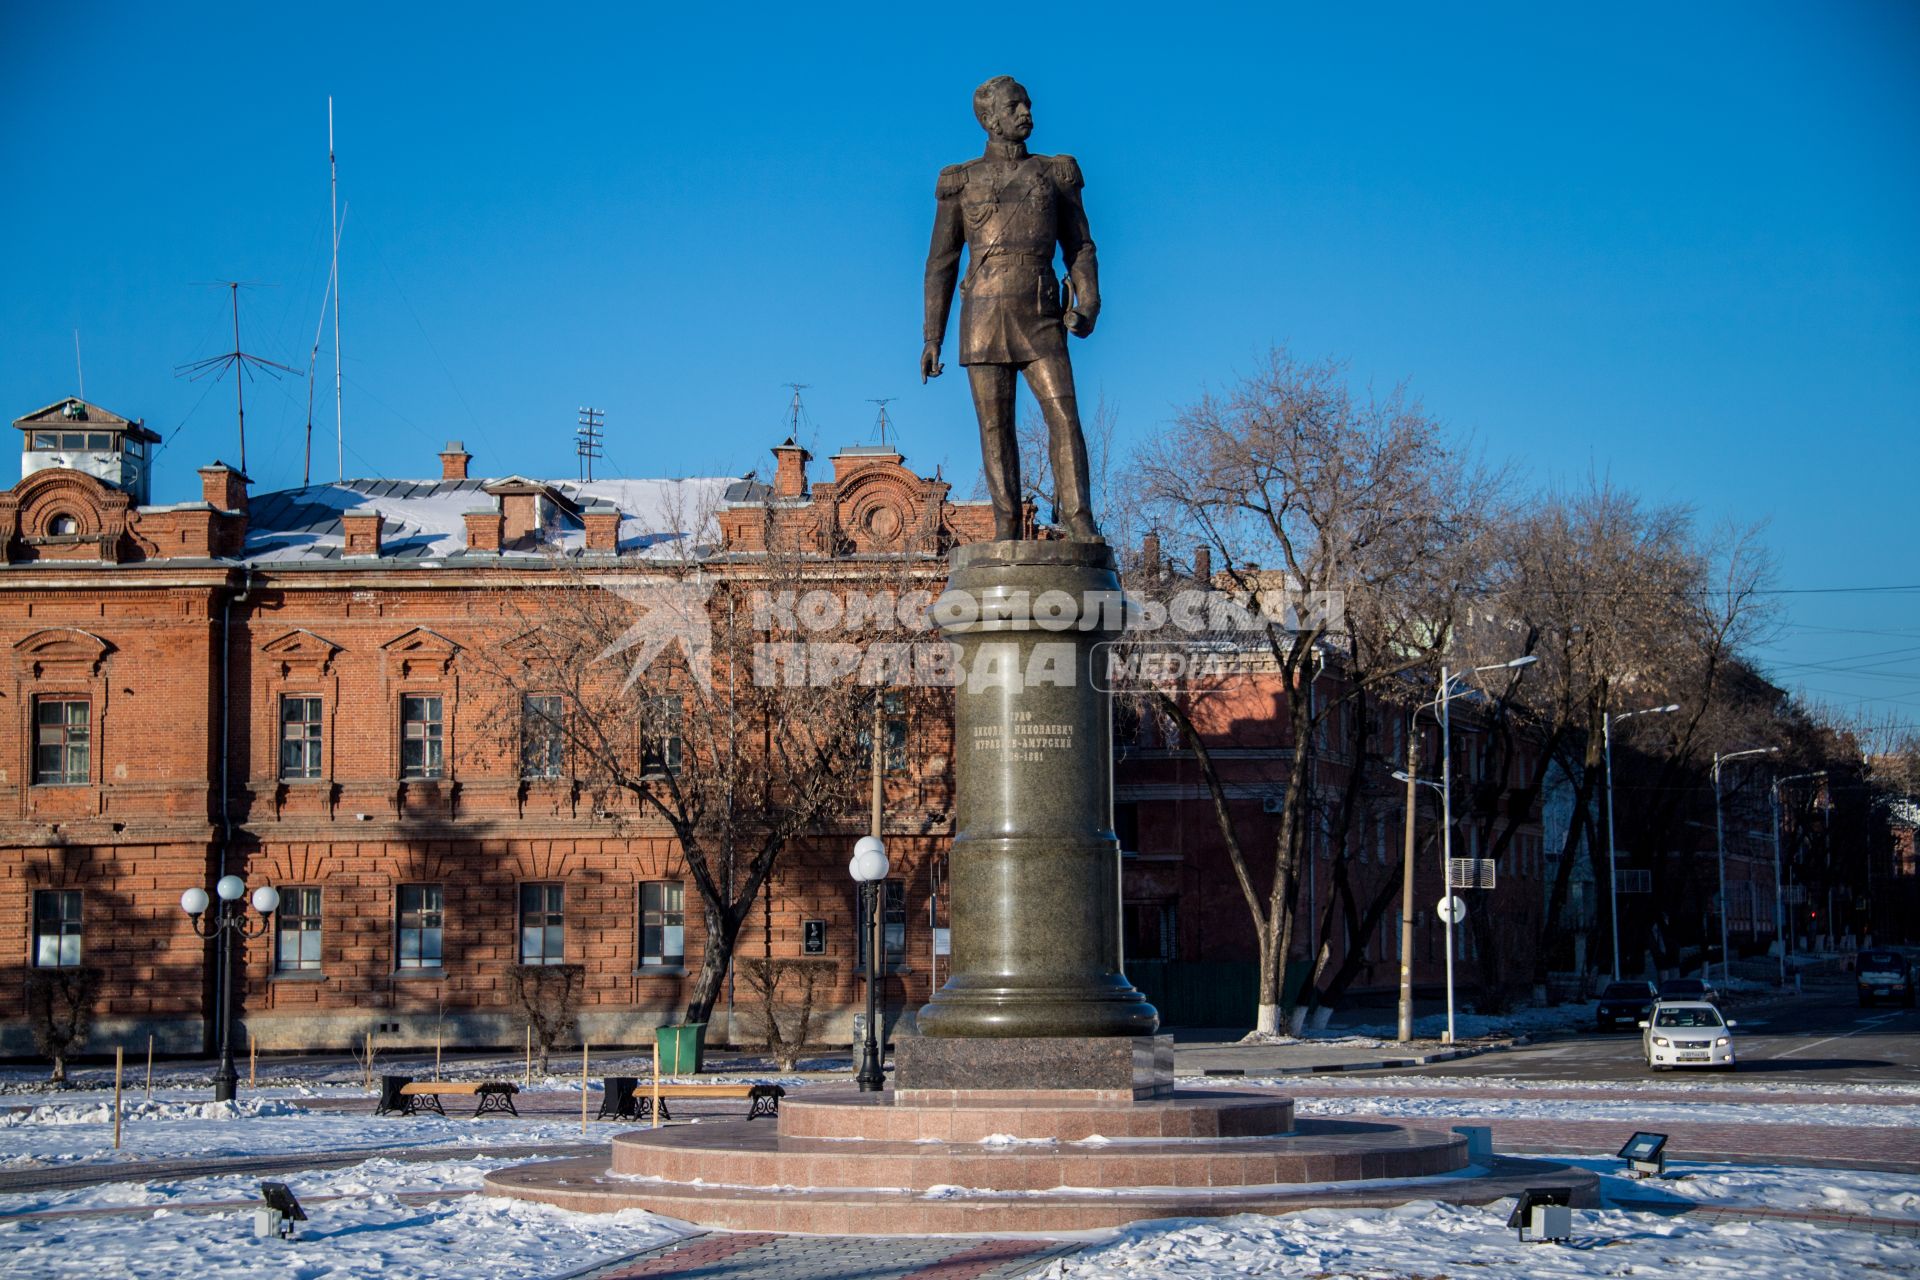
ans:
(264, 648)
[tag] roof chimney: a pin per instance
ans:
(223, 488)
(790, 470)
(603, 528)
(1150, 550)
(1203, 563)
(363, 533)
(484, 528)
(453, 461)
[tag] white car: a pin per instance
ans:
(1687, 1033)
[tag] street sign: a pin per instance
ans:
(1452, 909)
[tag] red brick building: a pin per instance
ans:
(272, 685)
(281, 686)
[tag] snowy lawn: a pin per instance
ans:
(1429, 1240)
(467, 1236)
(82, 1131)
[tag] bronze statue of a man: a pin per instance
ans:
(1010, 210)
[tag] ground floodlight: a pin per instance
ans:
(1545, 1211)
(277, 1216)
(1646, 1155)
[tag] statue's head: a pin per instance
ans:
(1003, 109)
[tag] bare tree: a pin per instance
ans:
(723, 697)
(1626, 607)
(1346, 523)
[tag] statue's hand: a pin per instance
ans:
(930, 366)
(1079, 323)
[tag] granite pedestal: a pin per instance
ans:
(1034, 870)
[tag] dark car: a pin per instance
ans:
(1688, 989)
(1885, 975)
(1624, 1004)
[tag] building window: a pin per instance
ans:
(63, 526)
(893, 919)
(1126, 825)
(660, 743)
(299, 737)
(56, 928)
(543, 742)
(297, 931)
(1147, 930)
(422, 737)
(422, 922)
(893, 727)
(62, 742)
(663, 924)
(543, 924)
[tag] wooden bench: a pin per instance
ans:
(402, 1095)
(629, 1098)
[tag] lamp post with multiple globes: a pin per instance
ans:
(227, 919)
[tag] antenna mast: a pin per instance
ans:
(78, 371)
(885, 423)
(794, 410)
(586, 439)
(333, 179)
(240, 361)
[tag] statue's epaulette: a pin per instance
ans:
(952, 179)
(1066, 172)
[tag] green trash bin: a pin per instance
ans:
(681, 1048)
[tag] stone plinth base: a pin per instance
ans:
(967, 1116)
(930, 1070)
(841, 1163)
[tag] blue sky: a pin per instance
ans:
(1675, 245)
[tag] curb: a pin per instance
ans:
(1385, 1064)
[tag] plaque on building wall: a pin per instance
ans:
(813, 937)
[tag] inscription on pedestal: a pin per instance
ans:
(1027, 740)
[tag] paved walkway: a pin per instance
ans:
(772, 1257)
(49, 1177)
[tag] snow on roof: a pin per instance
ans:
(425, 519)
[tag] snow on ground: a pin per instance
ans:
(1631, 1111)
(1703, 1083)
(1851, 1191)
(82, 1132)
(1425, 1239)
(464, 1237)
(379, 1176)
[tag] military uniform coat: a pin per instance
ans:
(1009, 210)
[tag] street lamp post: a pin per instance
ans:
(869, 870)
(228, 918)
(1779, 898)
(1406, 891)
(1613, 872)
(1440, 702)
(1720, 847)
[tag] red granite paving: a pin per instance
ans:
(988, 1255)
(704, 1251)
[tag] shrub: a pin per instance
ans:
(548, 997)
(785, 1023)
(60, 1005)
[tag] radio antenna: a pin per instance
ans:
(333, 180)
(885, 423)
(240, 362)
